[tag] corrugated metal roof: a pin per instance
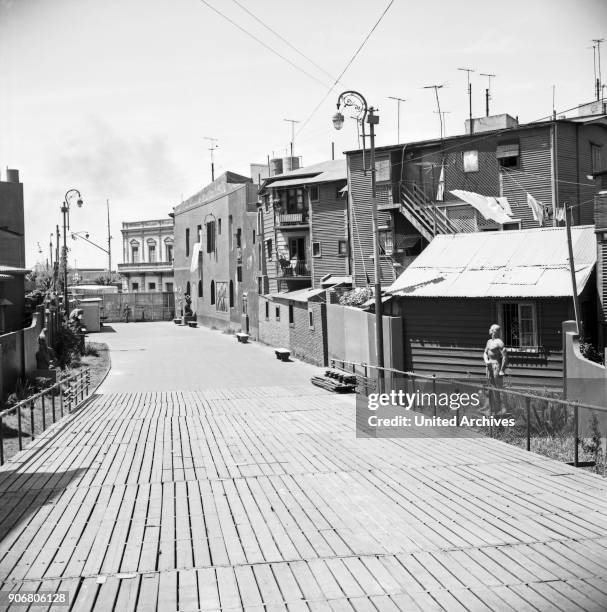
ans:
(301, 295)
(521, 263)
(325, 172)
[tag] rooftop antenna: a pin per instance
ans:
(596, 56)
(214, 145)
(398, 101)
(599, 80)
(292, 122)
(468, 71)
(440, 115)
(553, 103)
(488, 90)
(444, 120)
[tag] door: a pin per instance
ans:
(297, 249)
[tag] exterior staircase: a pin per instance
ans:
(426, 218)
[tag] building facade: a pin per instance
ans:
(147, 255)
(216, 253)
(12, 253)
(547, 160)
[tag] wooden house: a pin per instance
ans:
(463, 283)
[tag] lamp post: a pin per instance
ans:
(70, 194)
(358, 102)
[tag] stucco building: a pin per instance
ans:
(215, 253)
(147, 253)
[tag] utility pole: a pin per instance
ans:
(214, 145)
(109, 241)
(553, 103)
(398, 101)
(468, 71)
(50, 248)
(487, 91)
(598, 79)
(576, 300)
(292, 122)
(440, 114)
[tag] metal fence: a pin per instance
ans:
(31, 416)
(556, 427)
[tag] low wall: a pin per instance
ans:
(144, 306)
(584, 380)
(18, 353)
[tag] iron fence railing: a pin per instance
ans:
(32, 415)
(537, 416)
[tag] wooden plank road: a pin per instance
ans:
(263, 499)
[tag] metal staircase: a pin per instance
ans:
(426, 218)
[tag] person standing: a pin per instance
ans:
(496, 360)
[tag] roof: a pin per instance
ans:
(301, 295)
(325, 172)
(519, 263)
(331, 280)
(13, 270)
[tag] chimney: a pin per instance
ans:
(12, 176)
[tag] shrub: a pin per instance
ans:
(356, 297)
(90, 350)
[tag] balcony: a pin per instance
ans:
(295, 268)
(292, 220)
(158, 267)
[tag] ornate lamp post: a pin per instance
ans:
(70, 194)
(366, 113)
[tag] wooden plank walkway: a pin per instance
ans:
(263, 499)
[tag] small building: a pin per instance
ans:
(463, 283)
(147, 253)
(215, 253)
(548, 160)
(12, 253)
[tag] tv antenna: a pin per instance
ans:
(213, 146)
(440, 115)
(468, 71)
(398, 101)
(292, 122)
(488, 90)
(596, 48)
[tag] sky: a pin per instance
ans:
(115, 97)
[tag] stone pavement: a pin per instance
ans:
(207, 475)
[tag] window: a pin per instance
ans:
(231, 294)
(212, 292)
(267, 309)
(169, 253)
(386, 241)
(266, 203)
(152, 252)
(239, 274)
(342, 247)
(135, 286)
(238, 238)
(470, 159)
(168, 287)
(291, 315)
(507, 155)
(199, 234)
(230, 230)
(151, 286)
(277, 313)
(199, 288)
(519, 324)
(188, 289)
(253, 236)
(269, 249)
(595, 154)
(219, 227)
(134, 253)
(311, 318)
(187, 241)
(316, 252)
(338, 190)
(211, 237)
(245, 304)
(382, 169)
(314, 193)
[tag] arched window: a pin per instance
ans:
(199, 288)
(188, 289)
(231, 294)
(212, 292)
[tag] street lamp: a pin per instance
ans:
(70, 194)
(358, 102)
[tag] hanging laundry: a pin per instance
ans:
(560, 214)
(537, 208)
(194, 260)
(495, 209)
(440, 194)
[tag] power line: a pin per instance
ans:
(285, 40)
(338, 79)
(268, 47)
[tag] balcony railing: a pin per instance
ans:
(146, 266)
(287, 219)
(293, 268)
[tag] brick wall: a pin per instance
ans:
(309, 343)
(273, 332)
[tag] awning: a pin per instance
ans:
(194, 262)
(507, 150)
